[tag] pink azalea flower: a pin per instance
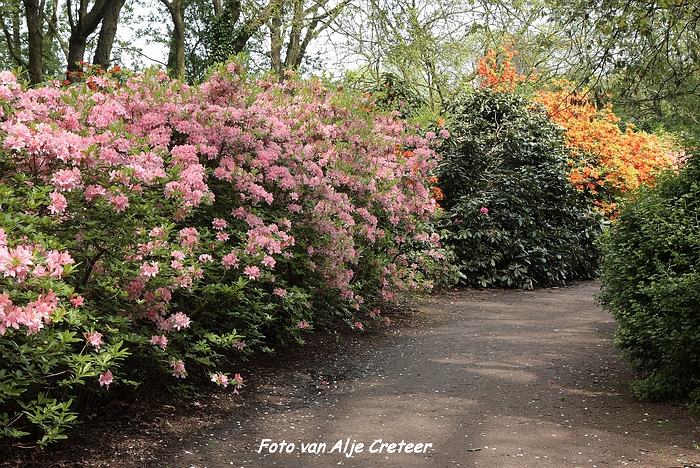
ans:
(120, 202)
(180, 320)
(253, 272)
(77, 301)
(230, 260)
(303, 324)
(94, 339)
(178, 369)
(66, 179)
(359, 325)
(238, 382)
(220, 379)
(279, 291)
(92, 191)
(484, 210)
(55, 261)
(165, 294)
(149, 269)
(58, 203)
(159, 340)
(177, 255)
(106, 379)
(188, 232)
(219, 223)
(165, 325)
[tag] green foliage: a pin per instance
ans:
(394, 94)
(45, 374)
(651, 284)
(513, 217)
(643, 53)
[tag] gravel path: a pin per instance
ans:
(497, 379)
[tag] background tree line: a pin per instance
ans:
(643, 54)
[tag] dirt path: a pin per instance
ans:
(496, 379)
(487, 378)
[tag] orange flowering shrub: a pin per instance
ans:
(499, 76)
(605, 161)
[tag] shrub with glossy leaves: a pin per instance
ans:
(513, 217)
(651, 284)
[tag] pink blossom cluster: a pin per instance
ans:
(220, 183)
(33, 315)
(224, 380)
(22, 264)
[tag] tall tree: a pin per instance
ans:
(176, 53)
(275, 33)
(11, 23)
(232, 24)
(434, 45)
(108, 31)
(645, 52)
(236, 23)
(46, 36)
(299, 23)
(427, 44)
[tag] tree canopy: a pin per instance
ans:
(641, 54)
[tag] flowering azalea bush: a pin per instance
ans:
(605, 162)
(149, 224)
(496, 71)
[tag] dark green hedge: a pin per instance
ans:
(514, 218)
(651, 284)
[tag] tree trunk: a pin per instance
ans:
(176, 56)
(313, 23)
(103, 52)
(276, 42)
(294, 34)
(76, 53)
(81, 27)
(254, 24)
(34, 12)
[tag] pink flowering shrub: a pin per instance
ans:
(149, 224)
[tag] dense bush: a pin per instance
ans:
(651, 284)
(149, 226)
(514, 218)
